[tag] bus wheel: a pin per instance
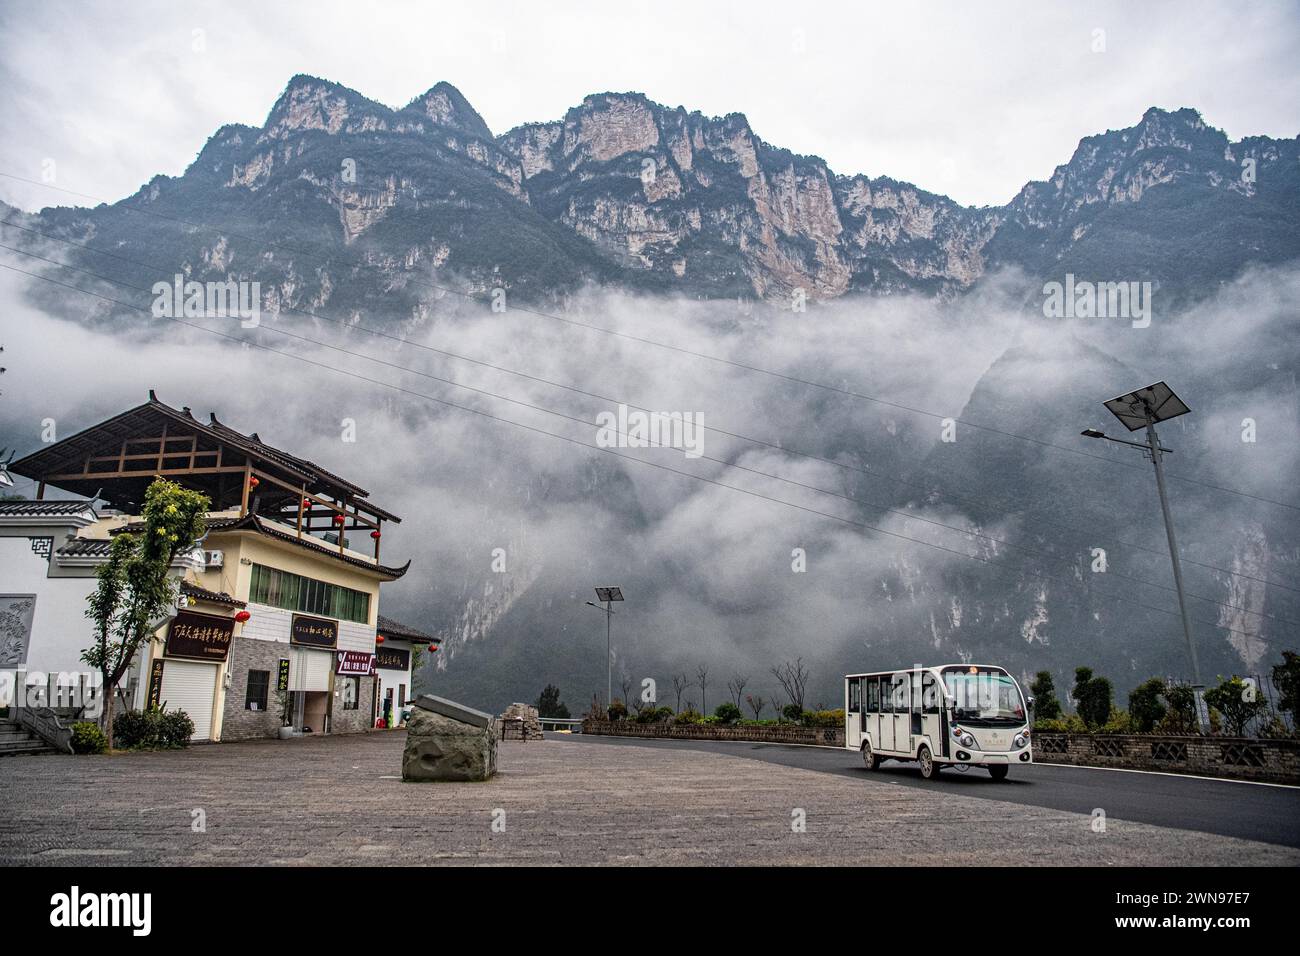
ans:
(928, 767)
(998, 771)
(869, 758)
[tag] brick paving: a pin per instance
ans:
(338, 800)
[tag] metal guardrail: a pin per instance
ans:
(571, 724)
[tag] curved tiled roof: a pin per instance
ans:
(203, 594)
(402, 632)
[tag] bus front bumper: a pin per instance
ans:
(983, 758)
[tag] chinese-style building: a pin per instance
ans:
(277, 620)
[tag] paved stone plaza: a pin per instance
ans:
(339, 800)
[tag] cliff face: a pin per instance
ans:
(625, 191)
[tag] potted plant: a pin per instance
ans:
(283, 700)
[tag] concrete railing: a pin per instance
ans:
(1238, 758)
(775, 733)
(54, 729)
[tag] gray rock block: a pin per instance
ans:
(439, 747)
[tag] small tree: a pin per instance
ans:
(680, 683)
(135, 586)
(1286, 678)
(702, 678)
(1046, 704)
(549, 703)
(756, 704)
(793, 678)
(736, 688)
(1181, 715)
(1145, 706)
(1093, 697)
(1238, 702)
(727, 712)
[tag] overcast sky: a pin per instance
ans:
(967, 99)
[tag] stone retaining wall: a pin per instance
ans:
(776, 734)
(1275, 761)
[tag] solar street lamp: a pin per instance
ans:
(609, 596)
(1143, 409)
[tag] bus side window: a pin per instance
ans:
(855, 695)
(929, 694)
(873, 695)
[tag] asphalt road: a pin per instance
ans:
(1248, 811)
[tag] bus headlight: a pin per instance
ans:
(1020, 741)
(963, 737)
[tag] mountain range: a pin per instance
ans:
(339, 200)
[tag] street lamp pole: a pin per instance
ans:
(609, 596)
(1142, 409)
(1156, 455)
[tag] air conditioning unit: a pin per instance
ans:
(214, 559)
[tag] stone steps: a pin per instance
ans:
(16, 740)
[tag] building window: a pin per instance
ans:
(351, 693)
(259, 682)
(401, 695)
(293, 592)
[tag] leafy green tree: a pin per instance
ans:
(549, 703)
(1286, 678)
(1093, 697)
(136, 587)
(1145, 705)
(1239, 703)
(1046, 704)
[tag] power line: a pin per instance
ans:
(860, 524)
(123, 204)
(757, 441)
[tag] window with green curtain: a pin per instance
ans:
(293, 592)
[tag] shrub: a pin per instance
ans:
(1286, 677)
(1145, 705)
(1069, 724)
(664, 714)
(617, 710)
(152, 729)
(689, 716)
(175, 729)
(1119, 723)
(727, 713)
(823, 718)
(792, 712)
(87, 738)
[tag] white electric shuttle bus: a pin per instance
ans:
(961, 715)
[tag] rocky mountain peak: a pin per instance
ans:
(447, 106)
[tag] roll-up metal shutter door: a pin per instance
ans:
(313, 670)
(191, 687)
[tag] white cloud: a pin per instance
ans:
(971, 100)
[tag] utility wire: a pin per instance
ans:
(675, 348)
(757, 441)
(860, 524)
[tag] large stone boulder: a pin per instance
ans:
(448, 741)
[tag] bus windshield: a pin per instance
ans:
(985, 695)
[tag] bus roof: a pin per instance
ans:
(930, 667)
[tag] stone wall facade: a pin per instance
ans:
(239, 723)
(1273, 761)
(776, 734)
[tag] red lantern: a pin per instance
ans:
(242, 616)
(375, 534)
(253, 482)
(306, 504)
(379, 638)
(433, 647)
(339, 519)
